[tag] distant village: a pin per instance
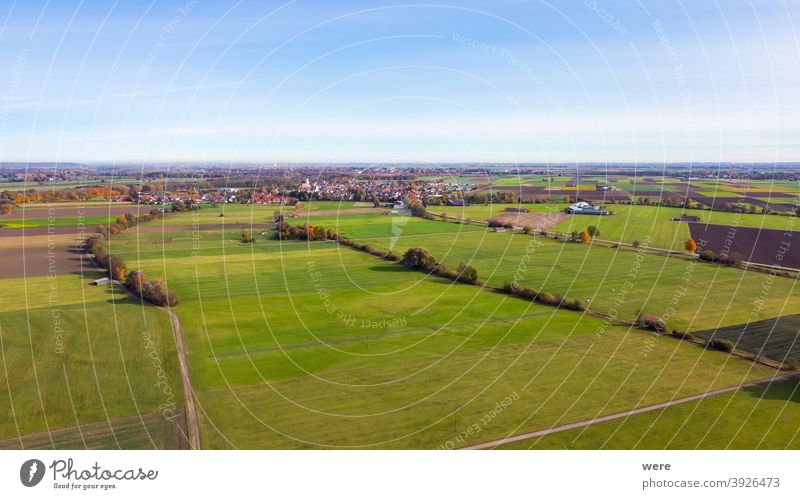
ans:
(377, 191)
(187, 186)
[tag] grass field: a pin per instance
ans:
(299, 345)
(315, 345)
(142, 431)
(707, 296)
(689, 295)
(630, 223)
(79, 355)
(762, 417)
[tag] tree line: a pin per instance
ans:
(154, 291)
(422, 259)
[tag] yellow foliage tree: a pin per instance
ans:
(690, 245)
(585, 237)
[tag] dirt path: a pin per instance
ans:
(192, 421)
(625, 414)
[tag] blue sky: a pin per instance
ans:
(368, 81)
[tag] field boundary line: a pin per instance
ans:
(625, 414)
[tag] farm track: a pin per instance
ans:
(619, 415)
(192, 420)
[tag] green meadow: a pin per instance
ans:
(314, 345)
(761, 417)
(688, 295)
(75, 359)
(651, 225)
(295, 344)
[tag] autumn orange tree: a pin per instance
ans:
(117, 269)
(690, 245)
(585, 237)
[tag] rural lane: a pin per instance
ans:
(624, 414)
(192, 421)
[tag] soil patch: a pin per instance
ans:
(75, 210)
(778, 339)
(537, 221)
(764, 246)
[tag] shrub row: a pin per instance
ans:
(128, 220)
(421, 259)
(305, 232)
(154, 291)
(683, 335)
(709, 256)
(543, 297)
(493, 222)
(308, 232)
(720, 344)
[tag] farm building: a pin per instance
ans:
(584, 208)
(103, 281)
(687, 218)
(518, 210)
(456, 202)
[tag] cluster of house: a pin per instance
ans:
(386, 190)
(338, 189)
(214, 196)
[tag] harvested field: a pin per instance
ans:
(770, 205)
(70, 204)
(59, 230)
(768, 194)
(41, 251)
(351, 211)
(172, 229)
(76, 210)
(717, 201)
(537, 221)
(42, 255)
(547, 192)
(764, 246)
(778, 339)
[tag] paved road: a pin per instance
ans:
(632, 412)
